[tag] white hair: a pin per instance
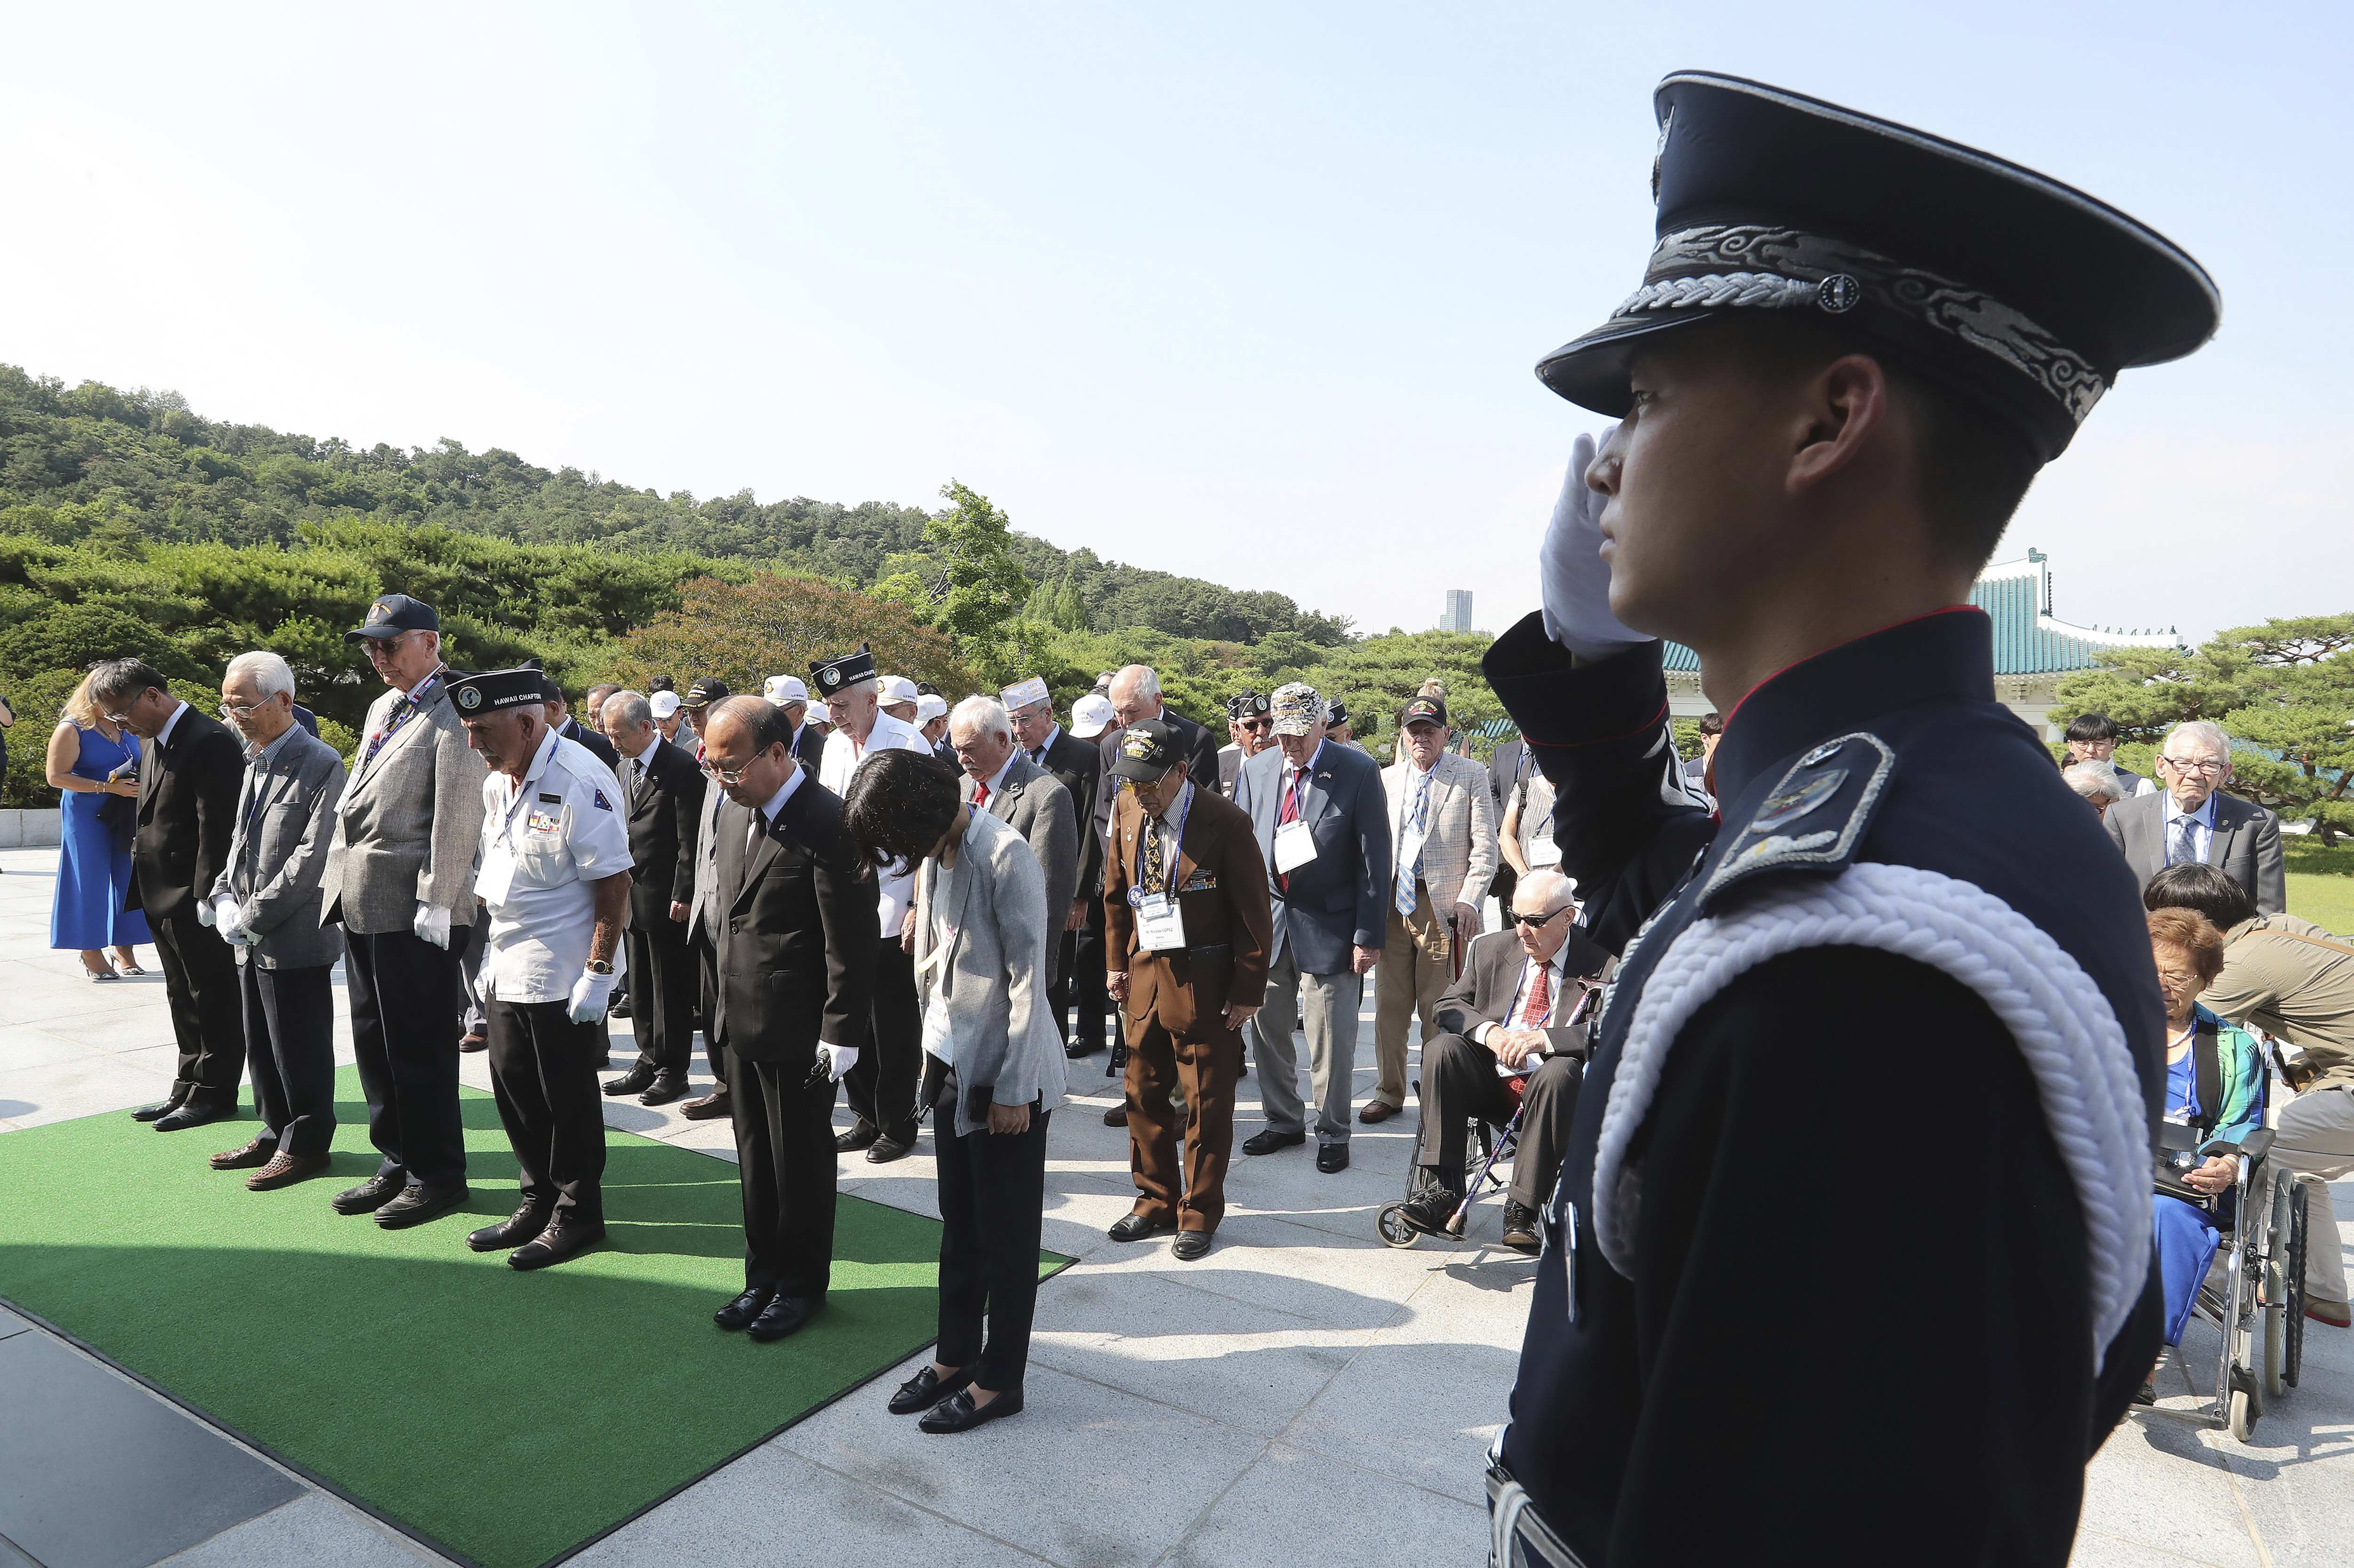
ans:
(2094, 781)
(981, 715)
(272, 674)
(2202, 730)
(1552, 886)
(1141, 678)
(636, 709)
(868, 685)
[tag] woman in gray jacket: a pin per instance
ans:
(992, 1071)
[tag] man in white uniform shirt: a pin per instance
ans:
(553, 880)
(882, 1088)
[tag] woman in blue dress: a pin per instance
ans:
(2214, 1086)
(93, 869)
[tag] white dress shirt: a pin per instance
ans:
(544, 840)
(1520, 995)
(843, 756)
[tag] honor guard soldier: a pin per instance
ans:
(1893, 1019)
(554, 879)
(1185, 937)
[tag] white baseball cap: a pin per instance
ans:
(929, 708)
(664, 703)
(782, 689)
(1091, 715)
(896, 689)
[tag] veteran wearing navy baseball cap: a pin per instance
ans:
(393, 614)
(1852, 347)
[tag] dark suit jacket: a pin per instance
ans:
(1200, 751)
(665, 818)
(598, 747)
(808, 746)
(798, 938)
(187, 815)
(1341, 898)
(1076, 762)
(1222, 890)
(2246, 843)
(1492, 973)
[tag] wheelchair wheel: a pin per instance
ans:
(1390, 1226)
(2243, 1417)
(2293, 1357)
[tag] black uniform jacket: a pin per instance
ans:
(1076, 763)
(797, 932)
(596, 745)
(665, 816)
(187, 815)
(1859, 1326)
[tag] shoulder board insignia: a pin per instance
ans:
(551, 800)
(602, 803)
(1812, 820)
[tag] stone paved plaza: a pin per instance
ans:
(1301, 1394)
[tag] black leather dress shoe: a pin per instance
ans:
(160, 1109)
(883, 1150)
(782, 1316)
(1270, 1141)
(1429, 1210)
(636, 1081)
(926, 1389)
(745, 1310)
(193, 1113)
(417, 1204)
(371, 1194)
(560, 1243)
(959, 1414)
(667, 1086)
(523, 1225)
(1189, 1246)
(1332, 1157)
(857, 1137)
(1137, 1227)
(1520, 1231)
(1080, 1048)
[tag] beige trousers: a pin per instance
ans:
(2315, 1139)
(1416, 968)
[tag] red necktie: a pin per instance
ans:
(1289, 812)
(980, 792)
(1540, 1002)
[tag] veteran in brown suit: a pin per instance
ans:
(1185, 944)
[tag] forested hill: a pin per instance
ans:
(96, 461)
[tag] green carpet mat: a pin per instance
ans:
(505, 1417)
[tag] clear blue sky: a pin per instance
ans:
(1248, 291)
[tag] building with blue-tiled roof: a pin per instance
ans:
(2032, 647)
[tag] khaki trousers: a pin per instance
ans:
(2315, 1139)
(1416, 967)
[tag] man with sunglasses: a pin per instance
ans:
(1248, 734)
(2190, 820)
(400, 880)
(1515, 1040)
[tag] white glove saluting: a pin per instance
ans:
(838, 1059)
(433, 924)
(1575, 576)
(590, 994)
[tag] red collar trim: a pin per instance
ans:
(1908, 620)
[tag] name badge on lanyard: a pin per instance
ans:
(1295, 846)
(1159, 923)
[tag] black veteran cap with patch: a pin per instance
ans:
(393, 614)
(2017, 292)
(1423, 710)
(493, 690)
(1244, 705)
(707, 689)
(1148, 748)
(1336, 716)
(843, 669)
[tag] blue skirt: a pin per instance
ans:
(2187, 1239)
(93, 881)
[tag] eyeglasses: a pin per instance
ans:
(731, 775)
(1519, 919)
(249, 709)
(2172, 978)
(2210, 767)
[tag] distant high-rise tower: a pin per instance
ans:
(1458, 611)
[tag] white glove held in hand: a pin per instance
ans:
(1575, 576)
(207, 911)
(838, 1059)
(589, 995)
(433, 924)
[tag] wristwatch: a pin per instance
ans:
(600, 966)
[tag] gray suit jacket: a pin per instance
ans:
(992, 977)
(278, 853)
(1492, 973)
(703, 920)
(1033, 803)
(2246, 843)
(409, 822)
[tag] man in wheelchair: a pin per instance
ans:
(1515, 1038)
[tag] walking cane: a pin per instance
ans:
(1471, 1188)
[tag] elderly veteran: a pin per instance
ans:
(555, 886)
(1185, 940)
(998, 777)
(265, 904)
(882, 1088)
(1074, 763)
(1442, 854)
(1247, 724)
(992, 1069)
(1321, 824)
(2097, 783)
(702, 696)
(669, 712)
(2190, 817)
(400, 876)
(932, 723)
(790, 693)
(662, 793)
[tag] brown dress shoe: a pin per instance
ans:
(261, 1152)
(713, 1107)
(1116, 1116)
(1376, 1111)
(284, 1170)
